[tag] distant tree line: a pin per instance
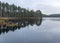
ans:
(7, 10)
(51, 15)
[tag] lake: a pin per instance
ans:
(47, 32)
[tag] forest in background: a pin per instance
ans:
(51, 15)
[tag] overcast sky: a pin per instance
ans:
(46, 6)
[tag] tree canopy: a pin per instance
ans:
(7, 10)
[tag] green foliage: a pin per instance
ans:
(7, 10)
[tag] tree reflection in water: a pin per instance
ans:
(22, 23)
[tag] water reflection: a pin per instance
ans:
(52, 18)
(22, 23)
(55, 19)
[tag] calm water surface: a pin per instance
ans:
(47, 32)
